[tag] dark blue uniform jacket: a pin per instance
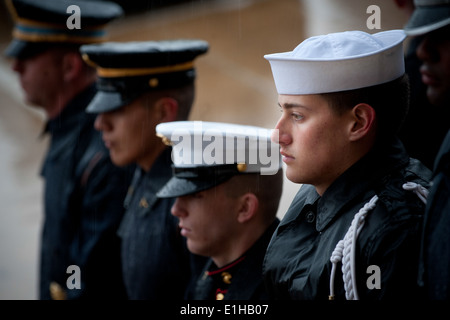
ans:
(156, 262)
(83, 198)
(297, 264)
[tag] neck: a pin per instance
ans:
(239, 246)
(65, 95)
(147, 161)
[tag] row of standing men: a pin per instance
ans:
(125, 205)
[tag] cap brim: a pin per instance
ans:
(106, 101)
(426, 19)
(23, 49)
(177, 187)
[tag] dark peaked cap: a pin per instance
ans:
(40, 23)
(128, 69)
(428, 15)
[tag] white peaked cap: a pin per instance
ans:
(338, 62)
(209, 144)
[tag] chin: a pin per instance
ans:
(293, 176)
(119, 162)
(196, 249)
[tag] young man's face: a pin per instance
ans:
(434, 51)
(129, 134)
(312, 139)
(207, 219)
(41, 77)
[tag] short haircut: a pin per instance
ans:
(267, 188)
(389, 100)
(183, 95)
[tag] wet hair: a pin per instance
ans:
(183, 95)
(389, 100)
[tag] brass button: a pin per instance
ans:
(57, 292)
(220, 296)
(143, 203)
(226, 277)
(153, 82)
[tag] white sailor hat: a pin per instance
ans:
(206, 154)
(338, 62)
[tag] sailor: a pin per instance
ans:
(343, 97)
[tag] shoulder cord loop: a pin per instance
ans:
(345, 249)
(345, 252)
(418, 189)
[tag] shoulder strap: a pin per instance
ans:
(91, 157)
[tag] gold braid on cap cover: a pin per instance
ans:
(40, 31)
(132, 72)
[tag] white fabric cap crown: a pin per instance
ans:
(209, 144)
(338, 62)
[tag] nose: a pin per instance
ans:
(279, 134)
(178, 209)
(100, 123)
(17, 65)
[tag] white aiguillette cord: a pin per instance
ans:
(345, 249)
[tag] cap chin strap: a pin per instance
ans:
(345, 249)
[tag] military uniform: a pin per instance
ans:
(434, 272)
(239, 280)
(359, 238)
(83, 197)
(156, 264)
(297, 264)
(434, 267)
(193, 172)
(155, 260)
(84, 191)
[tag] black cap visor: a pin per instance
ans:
(427, 18)
(23, 49)
(106, 101)
(187, 181)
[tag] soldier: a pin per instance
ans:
(226, 203)
(430, 23)
(142, 84)
(343, 97)
(422, 144)
(84, 191)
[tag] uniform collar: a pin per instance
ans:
(161, 171)
(72, 112)
(151, 181)
(363, 177)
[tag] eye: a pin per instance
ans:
(296, 116)
(197, 195)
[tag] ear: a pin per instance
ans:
(363, 121)
(248, 206)
(72, 65)
(167, 109)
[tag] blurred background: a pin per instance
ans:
(234, 84)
